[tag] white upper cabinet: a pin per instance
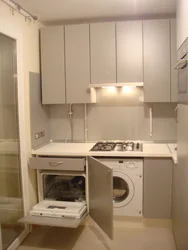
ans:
(76, 58)
(129, 51)
(77, 63)
(66, 65)
(103, 52)
(53, 65)
(156, 37)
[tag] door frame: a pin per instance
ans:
(9, 30)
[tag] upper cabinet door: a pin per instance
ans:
(156, 60)
(129, 51)
(77, 63)
(101, 195)
(53, 65)
(174, 75)
(103, 52)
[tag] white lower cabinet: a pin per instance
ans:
(69, 189)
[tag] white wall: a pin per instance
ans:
(30, 31)
(115, 116)
(182, 21)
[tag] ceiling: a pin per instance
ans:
(59, 10)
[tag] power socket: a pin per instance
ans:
(39, 134)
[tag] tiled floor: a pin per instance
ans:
(127, 236)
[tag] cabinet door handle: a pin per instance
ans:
(55, 164)
(176, 114)
(108, 177)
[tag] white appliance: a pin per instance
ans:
(127, 185)
(69, 189)
(61, 195)
(180, 171)
(182, 67)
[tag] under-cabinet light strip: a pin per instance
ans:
(128, 84)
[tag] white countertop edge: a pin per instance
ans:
(83, 150)
(101, 154)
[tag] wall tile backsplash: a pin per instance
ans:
(117, 115)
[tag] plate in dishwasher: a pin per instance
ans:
(59, 209)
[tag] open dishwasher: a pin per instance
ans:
(62, 194)
(69, 189)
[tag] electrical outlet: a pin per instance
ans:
(42, 133)
(37, 136)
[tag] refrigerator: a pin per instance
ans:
(180, 173)
(180, 182)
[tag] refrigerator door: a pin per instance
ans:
(180, 189)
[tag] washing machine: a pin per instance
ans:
(127, 185)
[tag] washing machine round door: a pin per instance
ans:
(123, 189)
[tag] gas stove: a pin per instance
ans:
(117, 146)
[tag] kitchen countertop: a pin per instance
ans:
(83, 149)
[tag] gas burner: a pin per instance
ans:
(103, 146)
(129, 146)
(117, 146)
(124, 146)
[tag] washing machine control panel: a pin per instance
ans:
(128, 164)
(131, 165)
(124, 164)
